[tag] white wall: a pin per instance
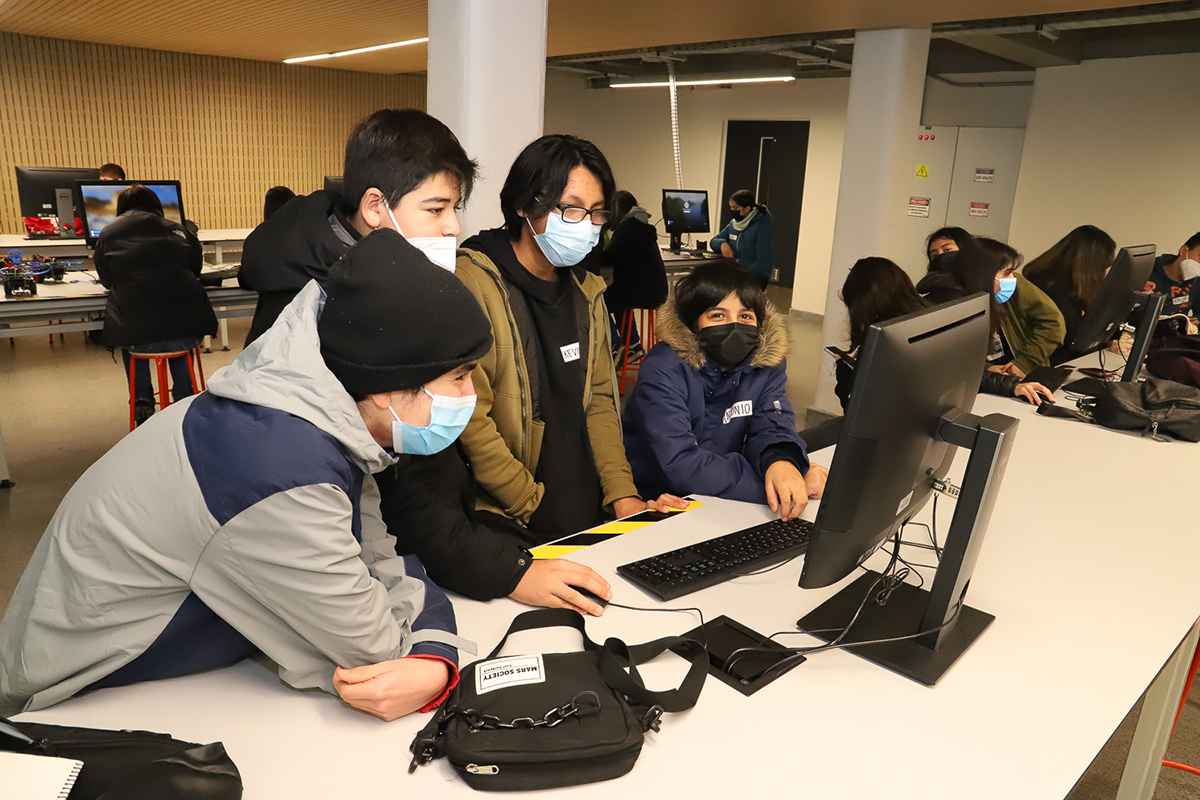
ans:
(975, 106)
(633, 129)
(1116, 144)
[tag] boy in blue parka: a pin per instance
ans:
(710, 413)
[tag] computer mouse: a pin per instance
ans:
(600, 601)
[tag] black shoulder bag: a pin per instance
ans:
(1157, 407)
(545, 720)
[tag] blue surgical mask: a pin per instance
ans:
(1007, 287)
(564, 243)
(448, 418)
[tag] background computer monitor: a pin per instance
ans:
(684, 211)
(1130, 270)
(334, 183)
(36, 188)
(100, 203)
(914, 389)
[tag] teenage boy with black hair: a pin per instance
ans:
(545, 438)
(112, 172)
(1175, 277)
(403, 170)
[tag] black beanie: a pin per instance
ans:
(393, 320)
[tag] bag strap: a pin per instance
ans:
(616, 657)
(546, 618)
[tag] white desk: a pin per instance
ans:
(1092, 588)
(215, 242)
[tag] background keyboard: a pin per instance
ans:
(698, 566)
(1050, 377)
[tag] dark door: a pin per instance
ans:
(768, 157)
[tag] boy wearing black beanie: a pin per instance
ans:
(247, 519)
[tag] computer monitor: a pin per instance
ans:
(684, 211)
(100, 203)
(37, 189)
(1119, 295)
(334, 183)
(914, 388)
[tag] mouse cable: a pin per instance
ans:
(685, 610)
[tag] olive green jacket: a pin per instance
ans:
(1033, 326)
(503, 440)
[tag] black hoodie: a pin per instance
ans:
(298, 243)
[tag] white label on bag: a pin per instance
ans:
(511, 671)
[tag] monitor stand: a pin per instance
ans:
(676, 245)
(910, 610)
(66, 213)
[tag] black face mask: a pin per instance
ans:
(728, 345)
(738, 215)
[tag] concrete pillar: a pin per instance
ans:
(487, 81)
(887, 83)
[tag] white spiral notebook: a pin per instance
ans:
(31, 777)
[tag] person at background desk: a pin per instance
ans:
(245, 519)
(112, 172)
(747, 239)
(1070, 274)
(545, 438)
(877, 290)
(1026, 325)
(156, 303)
(1175, 277)
(639, 279)
(710, 412)
(403, 170)
(945, 240)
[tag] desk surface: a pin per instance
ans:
(1087, 567)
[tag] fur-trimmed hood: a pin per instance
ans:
(772, 345)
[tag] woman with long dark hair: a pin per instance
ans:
(1071, 272)
(1026, 325)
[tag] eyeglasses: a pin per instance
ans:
(575, 214)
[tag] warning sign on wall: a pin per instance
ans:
(979, 209)
(918, 206)
(922, 170)
(984, 175)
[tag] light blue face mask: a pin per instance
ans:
(448, 418)
(566, 243)
(1007, 287)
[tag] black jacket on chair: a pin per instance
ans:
(151, 268)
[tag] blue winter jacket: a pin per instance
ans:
(692, 426)
(752, 247)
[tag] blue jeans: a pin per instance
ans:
(181, 376)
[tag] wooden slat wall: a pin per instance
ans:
(228, 129)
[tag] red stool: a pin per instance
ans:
(645, 323)
(160, 366)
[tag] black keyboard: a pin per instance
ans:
(698, 566)
(1050, 377)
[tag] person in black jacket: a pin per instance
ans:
(151, 268)
(1070, 273)
(877, 290)
(639, 278)
(404, 170)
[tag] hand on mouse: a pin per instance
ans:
(552, 582)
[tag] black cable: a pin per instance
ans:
(687, 609)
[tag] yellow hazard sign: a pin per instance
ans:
(922, 170)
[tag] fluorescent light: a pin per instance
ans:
(706, 82)
(356, 51)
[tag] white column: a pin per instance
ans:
(887, 84)
(487, 82)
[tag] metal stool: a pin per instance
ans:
(160, 362)
(646, 321)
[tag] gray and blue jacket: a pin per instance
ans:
(242, 519)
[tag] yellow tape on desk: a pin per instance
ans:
(600, 533)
